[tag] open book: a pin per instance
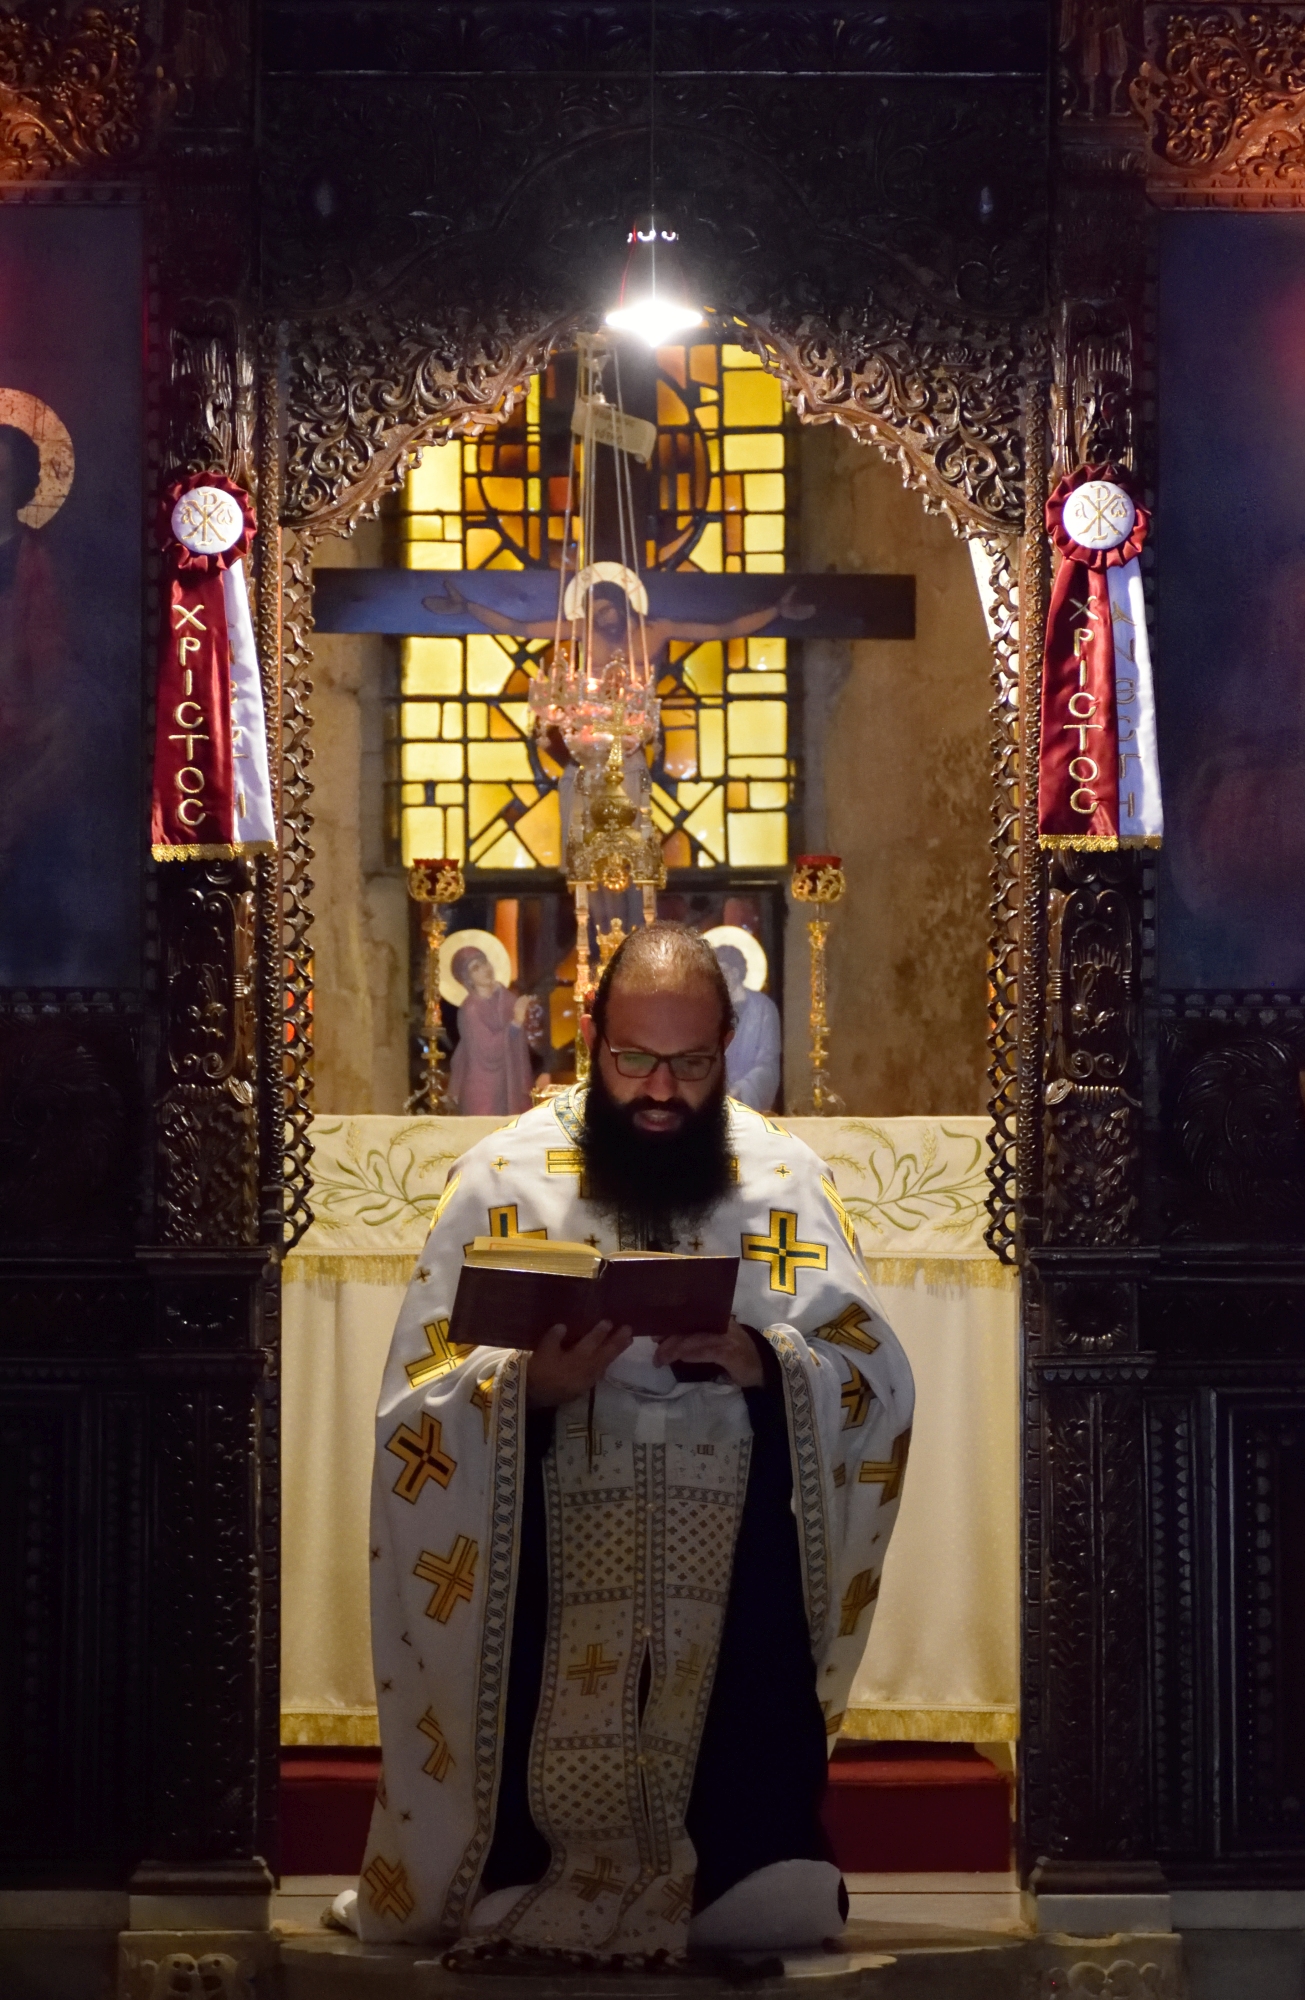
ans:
(513, 1288)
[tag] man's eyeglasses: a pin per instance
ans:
(691, 1067)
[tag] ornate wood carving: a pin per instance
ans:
(1262, 1794)
(1093, 396)
(1034, 568)
(1233, 1164)
(70, 1129)
(1093, 1110)
(1220, 94)
(1004, 908)
(77, 94)
(207, 1169)
(1100, 45)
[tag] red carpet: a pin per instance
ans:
(907, 1807)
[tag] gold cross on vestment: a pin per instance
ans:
(678, 1899)
(850, 1329)
(784, 1251)
(603, 1876)
(783, 1171)
(593, 1670)
(386, 1883)
(839, 1207)
(688, 1666)
(444, 1355)
(862, 1590)
(437, 1764)
(501, 1162)
(423, 1456)
(503, 1222)
(482, 1399)
(887, 1473)
(856, 1399)
(453, 1575)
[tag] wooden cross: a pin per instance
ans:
(862, 1590)
(593, 1670)
(453, 1575)
(856, 1399)
(678, 1898)
(850, 1329)
(423, 1458)
(604, 1875)
(784, 1251)
(387, 1888)
(482, 1399)
(887, 1473)
(444, 1354)
(437, 1764)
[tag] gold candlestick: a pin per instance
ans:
(435, 884)
(819, 879)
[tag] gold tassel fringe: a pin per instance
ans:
(930, 1725)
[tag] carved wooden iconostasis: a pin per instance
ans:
(431, 205)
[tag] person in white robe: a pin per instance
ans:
(752, 1060)
(611, 1607)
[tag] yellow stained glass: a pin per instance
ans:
(431, 760)
(752, 400)
(421, 718)
(518, 715)
(481, 545)
(707, 823)
(758, 839)
(477, 718)
(504, 560)
(423, 834)
(758, 767)
(702, 364)
(738, 357)
(763, 531)
(661, 819)
(499, 760)
(488, 664)
(453, 721)
(432, 555)
(453, 527)
(767, 565)
(455, 833)
(707, 551)
(541, 830)
(424, 528)
(431, 666)
(487, 802)
(757, 728)
(711, 742)
(436, 484)
(506, 852)
(767, 655)
(708, 417)
(670, 407)
(766, 797)
(756, 683)
(764, 491)
(448, 795)
(505, 496)
(755, 453)
(702, 669)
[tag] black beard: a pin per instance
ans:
(650, 1181)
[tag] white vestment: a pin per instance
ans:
(643, 1499)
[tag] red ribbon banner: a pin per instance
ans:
(1078, 775)
(193, 816)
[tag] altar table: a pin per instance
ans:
(941, 1662)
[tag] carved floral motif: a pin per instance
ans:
(1223, 97)
(75, 94)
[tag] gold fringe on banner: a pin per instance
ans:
(967, 1273)
(1099, 843)
(344, 1728)
(382, 1268)
(219, 850)
(930, 1725)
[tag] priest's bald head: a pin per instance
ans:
(655, 1135)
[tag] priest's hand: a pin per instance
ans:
(557, 1373)
(734, 1352)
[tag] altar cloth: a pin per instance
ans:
(942, 1660)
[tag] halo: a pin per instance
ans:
(754, 977)
(495, 951)
(577, 591)
(50, 436)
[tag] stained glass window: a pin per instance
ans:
(471, 781)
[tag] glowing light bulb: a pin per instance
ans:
(653, 302)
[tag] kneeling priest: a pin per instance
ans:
(615, 1612)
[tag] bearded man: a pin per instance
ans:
(616, 1613)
